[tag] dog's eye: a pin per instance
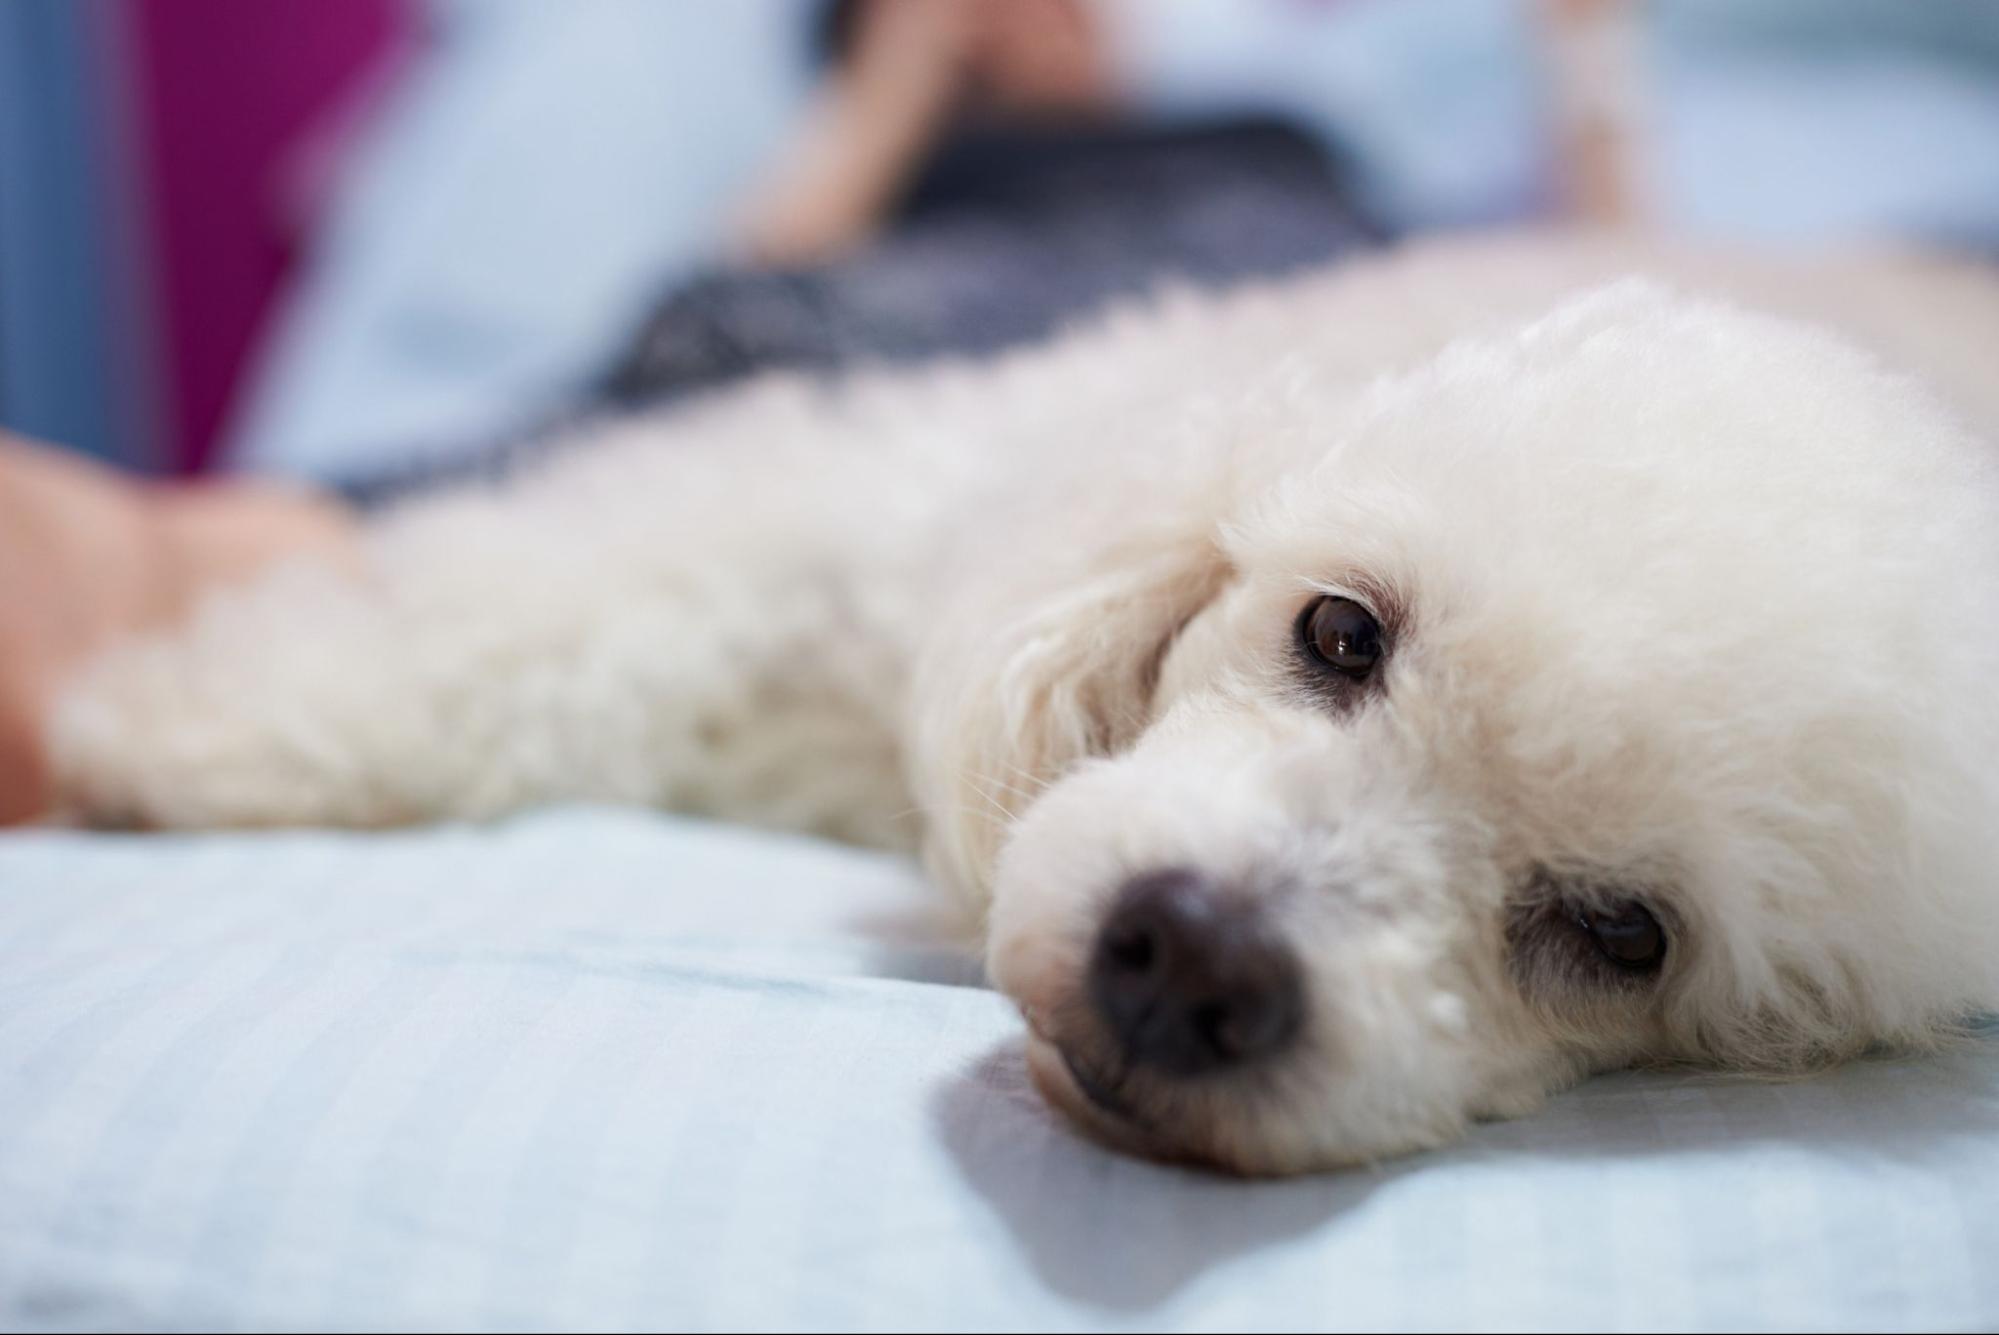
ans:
(1341, 635)
(1627, 934)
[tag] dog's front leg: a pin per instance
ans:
(484, 658)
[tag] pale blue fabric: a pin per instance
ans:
(602, 1070)
(1810, 120)
(541, 173)
(548, 170)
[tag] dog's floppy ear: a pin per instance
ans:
(1058, 667)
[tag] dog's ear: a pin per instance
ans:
(1059, 668)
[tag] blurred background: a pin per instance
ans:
(365, 240)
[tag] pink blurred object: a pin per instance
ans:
(236, 103)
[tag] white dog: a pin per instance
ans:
(1366, 704)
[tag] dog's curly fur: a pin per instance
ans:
(1690, 600)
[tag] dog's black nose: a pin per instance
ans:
(1190, 980)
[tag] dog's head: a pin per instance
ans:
(1620, 691)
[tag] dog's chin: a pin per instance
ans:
(1108, 1112)
(1077, 1092)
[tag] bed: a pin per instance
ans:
(593, 1069)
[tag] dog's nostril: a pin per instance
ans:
(1214, 1025)
(1130, 949)
(1189, 979)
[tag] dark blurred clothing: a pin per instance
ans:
(1003, 239)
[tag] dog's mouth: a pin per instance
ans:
(1099, 1089)
(1089, 1095)
(1098, 1104)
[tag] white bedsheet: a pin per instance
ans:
(595, 1069)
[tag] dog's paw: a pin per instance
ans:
(271, 708)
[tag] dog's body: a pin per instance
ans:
(1315, 737)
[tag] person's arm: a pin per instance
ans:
(1595, 63)
(880, 111)
(909, 69)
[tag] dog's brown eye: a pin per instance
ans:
(1627, 934)
(1341, 635)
